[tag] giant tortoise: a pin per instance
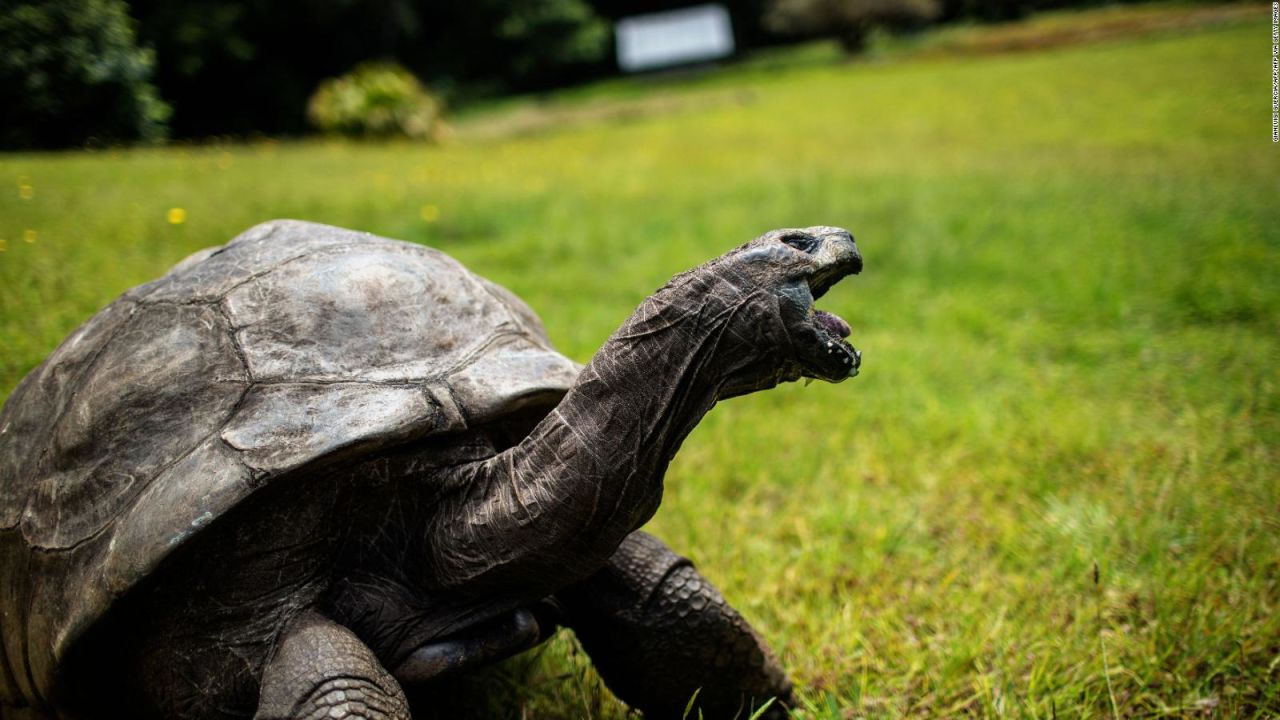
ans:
(314, 467)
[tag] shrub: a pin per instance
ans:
(376, 100)
(848, 20)
(71, 72)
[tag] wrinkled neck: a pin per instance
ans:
(635, 403)
(647, 388)
(556, 506)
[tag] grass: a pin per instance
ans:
(1054, 489)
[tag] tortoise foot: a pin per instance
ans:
(658, 631)
(321, 670)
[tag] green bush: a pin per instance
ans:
(847, 20)
(376, 100)
(71, 73)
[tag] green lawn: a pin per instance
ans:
(1071, 322)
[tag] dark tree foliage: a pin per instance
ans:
(988, 10)
(848, 20)
(543, 37)
(71, 73)
(241, 66)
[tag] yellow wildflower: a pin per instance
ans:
(176, 216)
(28, 236)
(430, 213)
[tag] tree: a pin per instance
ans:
(72, 73)
(848, 20)
(545, 36)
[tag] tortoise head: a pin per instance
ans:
(757, 303)
(798, 266)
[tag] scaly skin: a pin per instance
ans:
(321, 671)
(657, 631)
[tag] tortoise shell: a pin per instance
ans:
(293, 344)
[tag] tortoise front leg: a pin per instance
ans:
(658, 631)
(320, 669)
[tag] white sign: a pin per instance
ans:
(692, 34)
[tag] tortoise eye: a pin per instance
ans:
(799, 241)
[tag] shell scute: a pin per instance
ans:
(169, 377)
(41, 399)
(382, 311)
(281, 426)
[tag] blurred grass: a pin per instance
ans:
(1070, 318)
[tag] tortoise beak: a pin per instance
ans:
(836, 258)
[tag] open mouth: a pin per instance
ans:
(832, 332)
(821, 344)
(836, 331)
(836, 358)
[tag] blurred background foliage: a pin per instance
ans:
(850, 20)
(376, 100)
(203, 68)
(72, 71)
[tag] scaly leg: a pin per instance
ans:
(658, 631)
(320, 669)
